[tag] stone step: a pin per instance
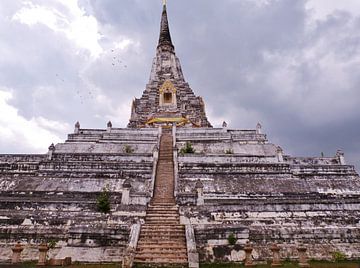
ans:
(154, 246)
(151, 250)
(163, 204)
(175, 256)
(161, 258)
(167, 210)
(162, 233)
(161, 244)
(172, 228)
(162, 241)
(160, 202)
(156, 238)
(162, 208)
(162, 249)
(161, 222)
(161, 215)
(163, 265)
(160, 262)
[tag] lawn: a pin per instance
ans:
(315, 264)
(214, 265)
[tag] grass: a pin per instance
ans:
(33, 265)
(313, 264)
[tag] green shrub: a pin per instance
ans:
(188, 149)
(229, 151)
(338, 256)
(103, 201)
(51, 244)
(128, 149)
(232, 239)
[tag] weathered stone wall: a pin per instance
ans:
(52, 197)
(249, 187)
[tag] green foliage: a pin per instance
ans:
(229, 151)
(338, 256)
(51, 244)
(232, 239)
(103, 201)
(188, 149)
(128, 149)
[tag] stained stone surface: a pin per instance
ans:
(54, 199)
(264, 198)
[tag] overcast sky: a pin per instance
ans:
(293, 65)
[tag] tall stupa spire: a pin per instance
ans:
(165, 37)
(168, 98)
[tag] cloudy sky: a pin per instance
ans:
(293, 65)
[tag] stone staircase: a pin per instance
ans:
(162, 241)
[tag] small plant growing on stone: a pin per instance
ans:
(188, 149)
(338, 256)
(232, 239)
(128, 149)
(103, 201)
(51, 244)
(229, 151)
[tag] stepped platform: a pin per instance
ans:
(53, 196)
(237, 182)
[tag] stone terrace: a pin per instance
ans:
(238, 182)
(53, 196)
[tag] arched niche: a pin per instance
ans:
(168, 94)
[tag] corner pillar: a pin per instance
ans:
(341, 157)
(275, 249)
(77, 128)
(125, 196)
(51, 151)
(258, 129)
(200, 193)
(280, 154)
(17, 249)
(303, 260)
(248, 255)
(109, 127)
(43, 249)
